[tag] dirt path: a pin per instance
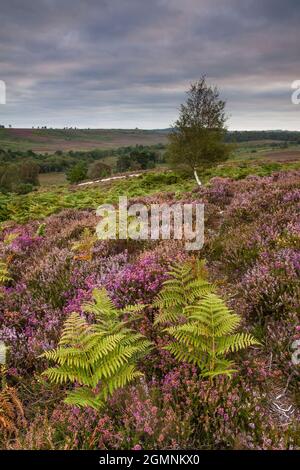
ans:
(111, 178)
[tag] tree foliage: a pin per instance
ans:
(77, 172)
(98, 169)
(197, 138)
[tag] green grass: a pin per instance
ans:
(52, 199)
(257, 150)
(46, 201)
(52, 179)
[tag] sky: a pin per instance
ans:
(128, 63)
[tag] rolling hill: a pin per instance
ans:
(50, 140)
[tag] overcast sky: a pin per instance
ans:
(127, 63)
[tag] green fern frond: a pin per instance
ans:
(101, 306)
(84, 397)
(221, 368)
(235, 343)
(100, 357)
(124, 376)
(207, 335)
(183, 353)
(187, 285)
(4, 273)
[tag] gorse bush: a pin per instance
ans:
(101, 357)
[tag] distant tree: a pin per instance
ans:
(19, 177)
(77, 173)
(144, 158)
(29, 172)
(138, 158)
(123, 163)
(10, 178)
(197, 139)
(98, 170)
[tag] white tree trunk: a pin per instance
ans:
(197, 178)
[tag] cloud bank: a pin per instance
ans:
(127, 63)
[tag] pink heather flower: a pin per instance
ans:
(137, 447)
(148, 430)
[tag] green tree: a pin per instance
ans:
(10, 178)
(77, 173)
(98, 170)
(197, 139)
(29, 172)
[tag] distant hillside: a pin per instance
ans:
(50, 140)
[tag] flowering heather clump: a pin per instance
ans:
(252, 246)
(88, 275)
(139, 281)
(271, 287)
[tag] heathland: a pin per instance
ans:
(156, 375)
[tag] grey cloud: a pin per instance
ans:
(119, 63)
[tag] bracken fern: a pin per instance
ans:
(187, 284)
(11, 409)
(4, 273)
(208, 336)
(99, 358)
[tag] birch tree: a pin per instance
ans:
(196, 141)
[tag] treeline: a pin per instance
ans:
(249, 136)
(62, 161)
(19, 169)
(128, 158)
(140, 158)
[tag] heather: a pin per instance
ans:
(52, 263)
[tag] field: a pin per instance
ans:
(51, 140)
(284, 156)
